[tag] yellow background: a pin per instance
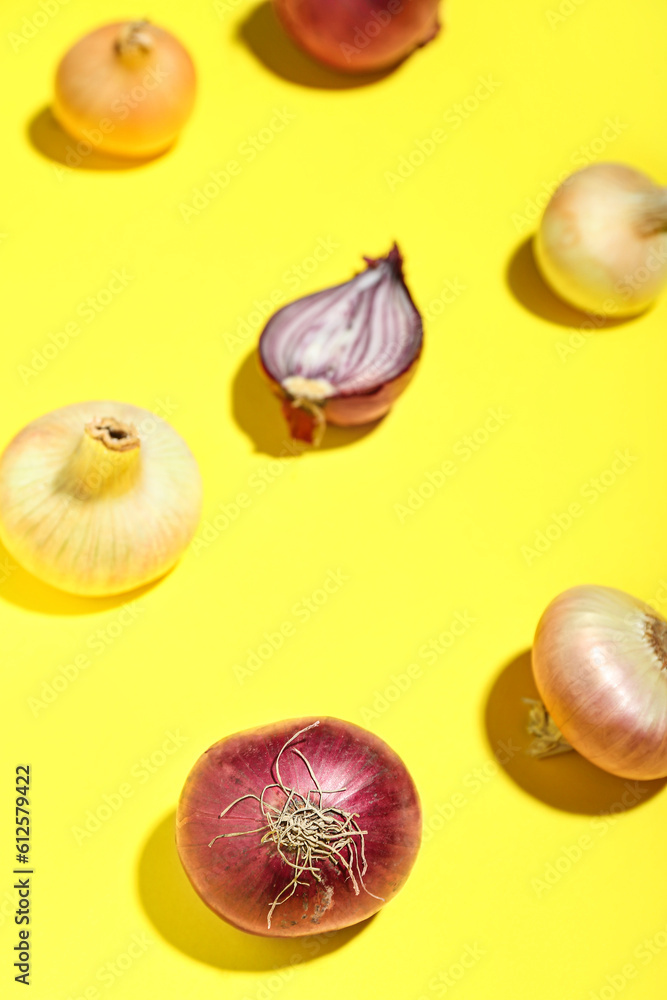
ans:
(571, 401)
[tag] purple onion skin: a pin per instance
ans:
(239, 878)
(359, 36)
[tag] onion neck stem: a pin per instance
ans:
(105, 462)
(134, 43)
(549, 740)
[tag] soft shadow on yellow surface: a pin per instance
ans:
(257, 412)
(21, 588)
(266, 38)
(185, 921)
(567, 781)
(49, 139)
(529, 288)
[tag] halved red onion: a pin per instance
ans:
(343, 355)
(359, 36)
(298, 828)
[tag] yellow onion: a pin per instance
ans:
(600, 665)
(127, 89)
(602, 241)
(98, 498)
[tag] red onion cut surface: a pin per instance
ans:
(299, 827)
(344, 355)
(359, 36)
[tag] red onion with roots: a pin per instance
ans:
(345, 354)
(359, 36)
(298, 828)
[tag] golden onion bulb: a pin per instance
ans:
(126, 89)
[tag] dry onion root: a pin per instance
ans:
(98, 498)
(126, 89)
(600, 665)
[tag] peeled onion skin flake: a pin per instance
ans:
(345, 354)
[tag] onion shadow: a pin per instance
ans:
(182, 919)
(567, 781)
(263, 34)
(21, 588)
(52, 142)
(529, 288)
(257, 412)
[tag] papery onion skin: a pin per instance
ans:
(352, 405)
(128, 108)
(601, 244)
(239, 878)
(600, 665)
(359, 36)
(104, 533)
